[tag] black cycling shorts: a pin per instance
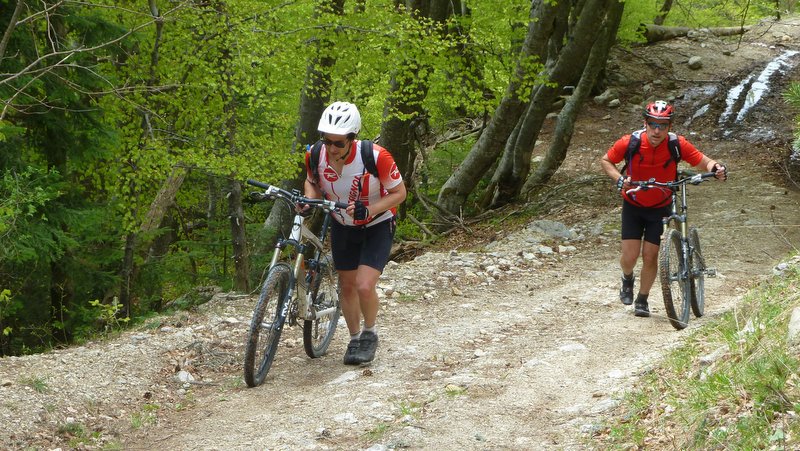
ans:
(358, 245)
(638, 222)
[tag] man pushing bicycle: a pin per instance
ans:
(653, 152)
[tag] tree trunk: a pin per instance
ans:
(314, 97)
(483, 154)
(241, 262)
(564, 66)
(662, 13)
(403, 112)
(656, 33)
(166, 196)
(566, 119)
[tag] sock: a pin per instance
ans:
(355, 336)
(372, 329)
(641, 298)
(627, 276)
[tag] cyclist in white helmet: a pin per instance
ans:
(361, 236)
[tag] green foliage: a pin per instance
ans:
(792, 97)
(695, 14)
(109, 314)
(746, 397)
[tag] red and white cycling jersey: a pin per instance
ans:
(355, 182)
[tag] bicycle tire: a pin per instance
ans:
(697, 273)
(318, 333)
(674, 287)
(264, 334)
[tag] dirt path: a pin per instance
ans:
(506, 347)
(505, 366)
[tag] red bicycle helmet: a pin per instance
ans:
(659, 110)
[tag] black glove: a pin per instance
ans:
(620, 182)
(360, 212)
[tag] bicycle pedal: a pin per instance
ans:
(711, 272)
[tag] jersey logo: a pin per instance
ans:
(395, 173)
(330, 175)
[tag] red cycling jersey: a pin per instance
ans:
(355, 182)
(652, 163)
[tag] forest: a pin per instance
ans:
(128, 128)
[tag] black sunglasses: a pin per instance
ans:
(339, 144)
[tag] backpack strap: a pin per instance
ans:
(633, 148)
(314, 161)
(674, 148)
(368, 157)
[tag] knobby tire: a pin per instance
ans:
(697, 273)
(674, 287)
(266, 325)
(317, 334)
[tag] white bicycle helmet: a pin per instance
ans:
(340, 118)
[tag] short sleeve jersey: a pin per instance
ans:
(355, 182)
(650, 163)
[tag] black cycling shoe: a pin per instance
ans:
(641, 308)
(626, 292)
(367, 345)
(351, 355)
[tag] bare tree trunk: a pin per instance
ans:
(12, 24)
(564, 66)
(313, 100)
(403, 113)
(657, 33)
(241, 261)
(165, 198)
(483, 154)
(662, 13)
(566, 119)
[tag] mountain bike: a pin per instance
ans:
(682, 268)
(300, 286)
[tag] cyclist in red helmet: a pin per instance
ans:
(657, 156)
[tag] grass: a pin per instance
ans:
(148, 416)
(734, 384)
(37, 383)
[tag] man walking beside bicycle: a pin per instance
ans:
(653, 152)
(361, 236)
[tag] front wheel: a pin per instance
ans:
(266, 325)
(697, 273)
(674, 278)
(317, 333)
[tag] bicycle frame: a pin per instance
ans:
(303, 277)
(303, 240)
(682, 225)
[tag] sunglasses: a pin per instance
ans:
(339, 144)
(658, 126)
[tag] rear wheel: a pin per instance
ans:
(317, 334)
(674, 280)
(266, 325)
(697, 273)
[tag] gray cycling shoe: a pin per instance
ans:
(368, 344)
(641, 308)
(626, 292)
(351, 355)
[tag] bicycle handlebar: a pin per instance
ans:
(272, 192)
(694, 179)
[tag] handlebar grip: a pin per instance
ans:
(257, 183)
(341, 205)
